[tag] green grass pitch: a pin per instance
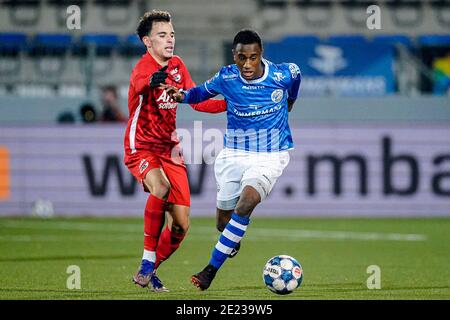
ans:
(413, 255)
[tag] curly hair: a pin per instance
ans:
(146, 21)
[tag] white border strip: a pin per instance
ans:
(133, 125)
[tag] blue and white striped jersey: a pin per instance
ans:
(257, 110)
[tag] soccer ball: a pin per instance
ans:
(282, 274)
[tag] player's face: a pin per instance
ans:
(161, 41)
(248, 59)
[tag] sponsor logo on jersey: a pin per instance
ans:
(277, 95)
(229, 76)
(252, 87)
(258, 112)
(143, 165)
(211, 79)
(164, 101)
(294, 69)
(278, 76)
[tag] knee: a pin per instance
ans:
(246, 205)
(180, 227)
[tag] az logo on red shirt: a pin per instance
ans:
(176, 76)
(143, 165)
(164, 97)
(164, 101)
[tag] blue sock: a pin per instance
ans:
(233, 233)
(147, 267)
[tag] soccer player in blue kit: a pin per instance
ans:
(259, 95)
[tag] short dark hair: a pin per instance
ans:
(146, 22)
(247, 36)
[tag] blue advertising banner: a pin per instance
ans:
(341, 70)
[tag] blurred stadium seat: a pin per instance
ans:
(434, 40)
(50, 54)
(51, 43)
(100, 48)
(12, 42)
(23, 13)
(131, 46)
(11, 46)
(103, 43)
(115, 13)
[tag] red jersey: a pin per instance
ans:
(152, 112)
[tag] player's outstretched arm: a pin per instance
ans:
(194, 95)
(208, 106)
(175, 93)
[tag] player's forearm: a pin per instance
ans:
(210, 106)
(196, 95)
(290, 105)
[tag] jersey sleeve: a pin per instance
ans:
(209, 105)
(295, 78)
(140, 82)
(206, 90)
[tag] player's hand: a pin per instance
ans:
(173, 92)
(159, 77)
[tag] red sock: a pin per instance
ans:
(153, 222)
(168, 244)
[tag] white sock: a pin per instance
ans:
(149, 255)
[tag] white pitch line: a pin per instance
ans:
(344, 235)
(254, 233)
(337, 235)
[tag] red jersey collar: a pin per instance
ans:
(157, 65)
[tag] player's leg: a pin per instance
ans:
(178, 223)
(222, 219)
(170, 240)
(228, 170)
(158, 186)
(257, 182)
(235, 228)
(173, 234)
(231, 236)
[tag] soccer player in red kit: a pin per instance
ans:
(152, 152)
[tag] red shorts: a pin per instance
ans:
(141, 162)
